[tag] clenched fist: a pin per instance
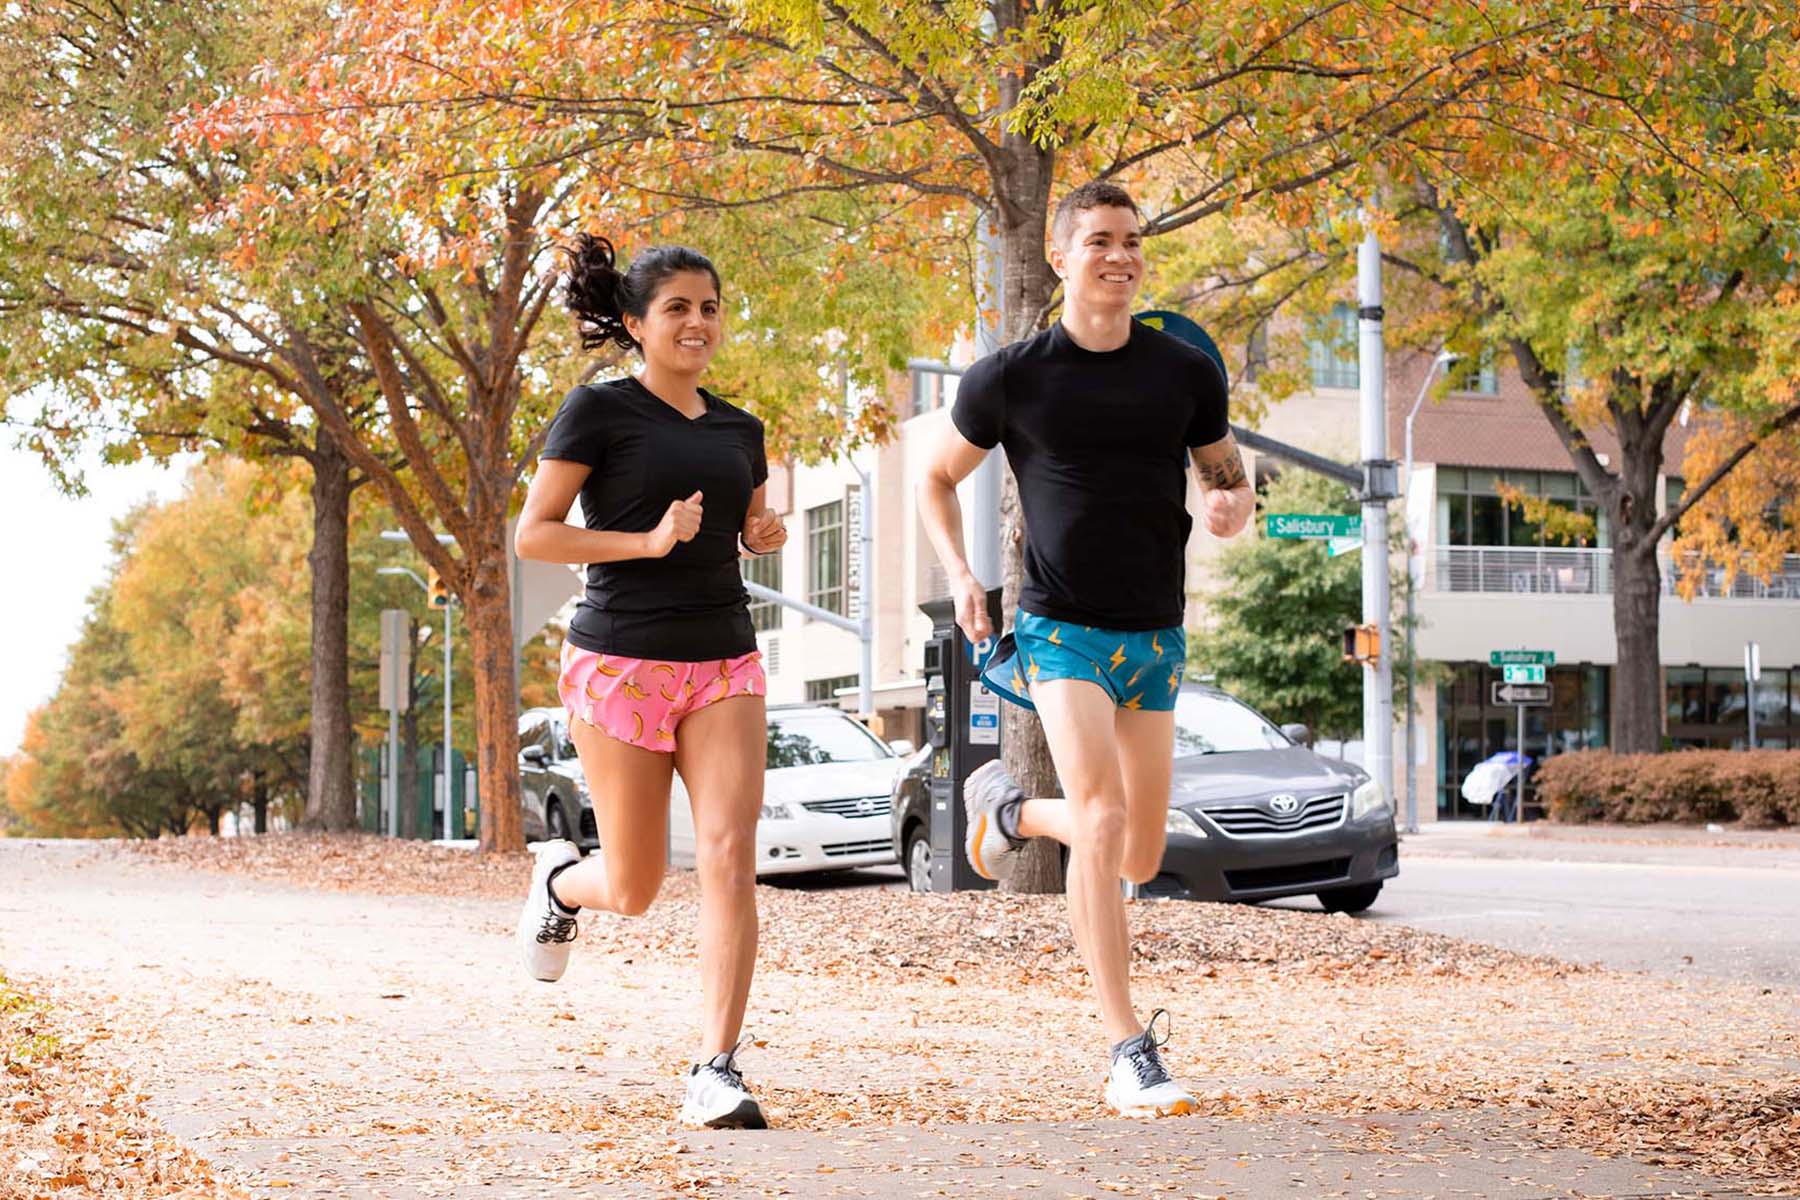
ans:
(764, 531)
(679, 524)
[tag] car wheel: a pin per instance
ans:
(918, 860)
(1350, 899)
(557, 824)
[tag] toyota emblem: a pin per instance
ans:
(865, 807)
(1285, 805)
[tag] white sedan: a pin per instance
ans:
(826, 797)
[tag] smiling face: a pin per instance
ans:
(681, 326)
(1101, 258)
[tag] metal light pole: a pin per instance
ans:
(1378, 489)
(449, 787)
(1443, 359)
(984, 506)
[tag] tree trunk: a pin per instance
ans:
(330, 785)
(1027, 284)
(488, 614)
(259, 800)
(213, 812)
(1637, 691)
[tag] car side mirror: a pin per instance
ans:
(1298, 733)
(902, 747)
(534, 755)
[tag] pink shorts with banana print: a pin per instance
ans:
(640, 701)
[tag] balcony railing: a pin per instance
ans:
(1584, 572)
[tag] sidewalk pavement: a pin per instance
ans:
(339, 1043)
(1670, 845)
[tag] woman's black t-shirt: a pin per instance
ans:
(691, 605)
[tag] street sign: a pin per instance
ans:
(1502, 658)
(1520, 693)
(1337, 546)
(1312, 525)
(1522, 673)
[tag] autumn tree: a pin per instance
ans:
(123, 321)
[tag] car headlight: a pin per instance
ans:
(1180, 822)
(1366, 799)
(777, 812)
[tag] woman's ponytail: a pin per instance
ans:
(594, 292)
(601, 296)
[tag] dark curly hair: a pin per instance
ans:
(601, 295)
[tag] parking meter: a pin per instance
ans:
(962, 726)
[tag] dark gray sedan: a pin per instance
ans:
(1253, 814)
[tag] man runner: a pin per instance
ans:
(1098, 416)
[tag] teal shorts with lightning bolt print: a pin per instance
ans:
(1139, 670)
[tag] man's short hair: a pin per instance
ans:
(1095, 193)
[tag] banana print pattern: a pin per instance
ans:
(609, 692)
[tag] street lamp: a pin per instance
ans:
(390, 535)
(1442, 359)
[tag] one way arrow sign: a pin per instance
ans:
(1521, 693)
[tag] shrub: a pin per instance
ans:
(1757, 787)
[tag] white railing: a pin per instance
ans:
(1571, 571)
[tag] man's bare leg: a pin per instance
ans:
(1090, 819)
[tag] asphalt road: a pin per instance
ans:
(1726, 912)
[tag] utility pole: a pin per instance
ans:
(1379, 486)
(1442, 359)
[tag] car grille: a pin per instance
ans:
(589, 831)
(844, 849)
(1253, 820)
(1294, 875)
(881, 806)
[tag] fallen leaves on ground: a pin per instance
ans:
(69, 1125)
(877, 1008)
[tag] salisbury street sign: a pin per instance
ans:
(1503, 658)
(1312, 525)
(1520, 693)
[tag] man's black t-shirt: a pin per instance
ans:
(1098, 441)
(691, 605)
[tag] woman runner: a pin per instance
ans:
(660, 671)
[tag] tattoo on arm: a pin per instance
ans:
(1222, 467)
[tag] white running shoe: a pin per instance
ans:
(717, 1097)
(1138, 1085)
(546, 929)
(987, 789)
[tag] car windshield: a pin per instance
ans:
(805, 739)
(565, 746)
(1207, 723)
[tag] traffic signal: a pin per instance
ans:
(1362, 644)
(440, 591)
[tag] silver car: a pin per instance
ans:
(552, 791)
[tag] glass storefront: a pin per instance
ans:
(1471, 728)
(1707, 708)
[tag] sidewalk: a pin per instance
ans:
(1674, 845)
(342, 1042)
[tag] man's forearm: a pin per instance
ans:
(941, 513)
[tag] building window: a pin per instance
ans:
(1471, 512)
(766, 570)
(824, 691)
(1484, 380)
(825, 556)
(1708, 707)
(931, 390)
(1332, 348)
